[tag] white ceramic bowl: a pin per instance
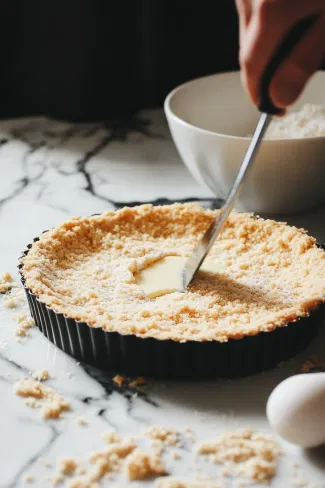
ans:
(208, 118)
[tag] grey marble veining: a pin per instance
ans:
(50, 172)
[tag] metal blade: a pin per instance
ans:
(203, 247)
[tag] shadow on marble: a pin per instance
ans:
(243, 396)
(316, 456)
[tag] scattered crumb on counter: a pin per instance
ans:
(315, 363)
(52, 404)
(19, 317)
(175, 482)
(56, 480)
(45, 463)
(41, 375)
(189, 434)
(138, 382)
(224, 472)
(175, 455)
(110, 437)
(141, 465)
(16, 296)
(29, 478)
(3, 345)
(167, 436)
(81, 421)
(5, 282)
(119, 380)
(23, 326)
(250, 454)
(67, 465)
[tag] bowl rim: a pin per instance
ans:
(171, 114)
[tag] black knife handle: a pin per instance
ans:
(282, 52)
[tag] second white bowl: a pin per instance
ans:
(208, 119)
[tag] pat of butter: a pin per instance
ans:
(165, 276)
(162, 277)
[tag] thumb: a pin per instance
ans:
(294, 73)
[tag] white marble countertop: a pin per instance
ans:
(50, 172)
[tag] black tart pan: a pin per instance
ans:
(168, 359)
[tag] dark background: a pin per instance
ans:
(85, 60)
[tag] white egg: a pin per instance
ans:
(296, 409)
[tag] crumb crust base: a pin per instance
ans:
(168, 359)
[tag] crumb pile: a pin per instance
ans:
(272, 273)
(248, 457)
(15, 297)
(246, 453)
(24, 324)
(5, 282)
(122, 455)
(36, 395)
(167, 437)
(141, 465)
(41, 375)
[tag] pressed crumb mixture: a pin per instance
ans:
(272, 273)
(249, 454)
(51, 403)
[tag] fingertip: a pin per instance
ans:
(284, 93)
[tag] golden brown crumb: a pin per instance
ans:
(140, 465)
(5, 282)
(174, 482)
(315, 363)
(224, 472)
(28, 478)
(37, 395)
(110, 437)
(189, 434)
(104, 461)
(81, 421)
(56, 480)
(15, 297)
(45, 463)
(176, 455)
(41, 375)
(67, 465)
(137, 382)
(23, 326)
(263, 283)
(166, 436)
(119, 380)
(250, 454)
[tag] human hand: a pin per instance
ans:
(263, 25)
